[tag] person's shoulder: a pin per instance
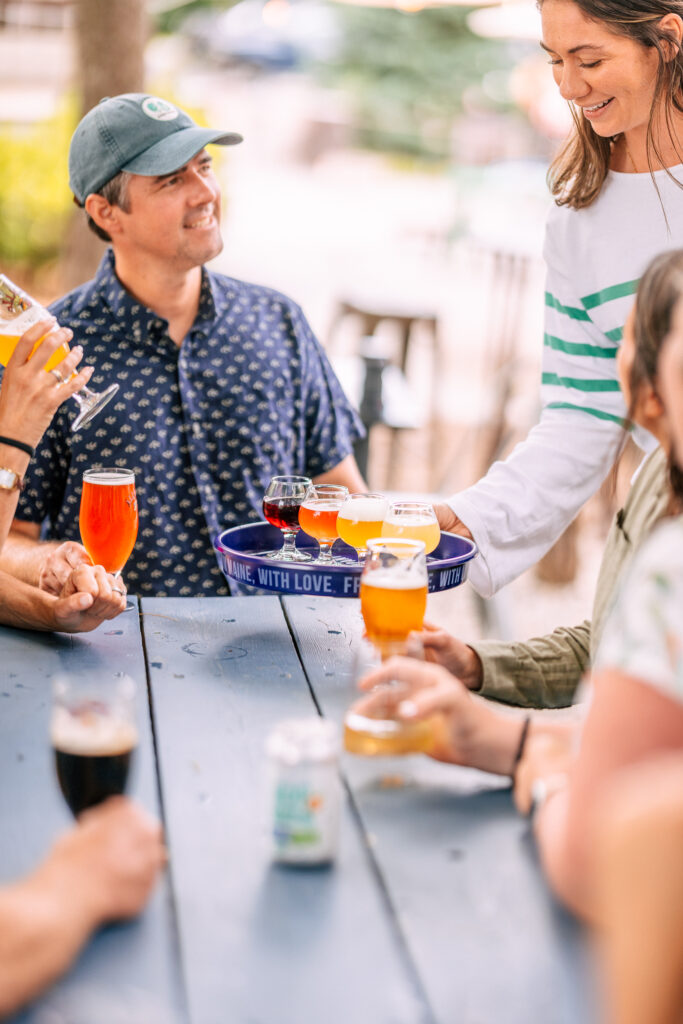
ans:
(75, 302)
(248, 293)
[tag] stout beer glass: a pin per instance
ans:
(108, 519)
(318, 516)
(93, 734)
(18, 311)
(281, 504)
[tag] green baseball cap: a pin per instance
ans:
(138, 133)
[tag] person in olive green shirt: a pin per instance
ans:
(546, 671)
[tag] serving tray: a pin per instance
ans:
(241, 553)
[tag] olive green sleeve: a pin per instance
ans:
(541, 673)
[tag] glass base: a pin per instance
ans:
(91, 403)
(278, 556)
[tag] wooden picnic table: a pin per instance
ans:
(435, 911)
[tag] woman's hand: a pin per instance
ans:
(29, 397)
(467, 730)
(445, 649)
(58, 564)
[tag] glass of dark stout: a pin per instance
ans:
(94, 734)
(281, 504)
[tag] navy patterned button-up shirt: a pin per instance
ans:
(248, 394)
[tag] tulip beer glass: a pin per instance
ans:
(108, 518)
(393, 590)
(281, 504)
(360, 518)
(18, 312)
(93, 734)
(413, 519)
(318, 516)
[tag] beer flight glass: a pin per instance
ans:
(108, 518)
(318, 517)
(281, 504)
(93, 733)
(18, 311)
(413, 519)
(360, 518)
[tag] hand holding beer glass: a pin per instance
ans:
(18, 312)
(393, 593)
(93, 733)
(108, 518)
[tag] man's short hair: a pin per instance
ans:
(115, 191)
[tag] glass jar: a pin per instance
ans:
(304, 791)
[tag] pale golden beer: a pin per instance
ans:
(385, 737)
(393, 589)
(360, 518)
(412, 519)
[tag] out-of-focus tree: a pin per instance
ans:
(111, 36)
(410, 71)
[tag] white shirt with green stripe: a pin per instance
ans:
(594, 259)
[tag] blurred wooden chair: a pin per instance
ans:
(397, 407)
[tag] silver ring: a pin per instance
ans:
(117, 590)
(57, 374)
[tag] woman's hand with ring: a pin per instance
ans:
(28, 397)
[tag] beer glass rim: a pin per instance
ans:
(328, 490)
(121, 474)
(289, 478)
(411, 545)
(366, 494)
(427, 505)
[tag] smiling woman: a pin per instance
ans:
(618, 189)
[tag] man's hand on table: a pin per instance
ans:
(58, 564)
(88, 597)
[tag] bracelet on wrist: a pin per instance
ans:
(519, 752)
(21, 445)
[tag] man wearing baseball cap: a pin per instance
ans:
(222, 384)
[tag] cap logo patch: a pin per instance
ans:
(158, 109)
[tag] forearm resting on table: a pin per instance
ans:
(23, 553)
(44, 922)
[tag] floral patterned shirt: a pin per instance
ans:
(643, 635)
(248, 394)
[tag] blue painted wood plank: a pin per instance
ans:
(129, 974)
(262, 944)
(490, 943)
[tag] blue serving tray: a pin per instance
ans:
(241, 549)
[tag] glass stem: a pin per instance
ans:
(289, 547)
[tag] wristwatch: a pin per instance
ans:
(10, 481)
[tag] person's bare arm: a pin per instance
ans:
(29, 398)
(44, 564)
(346, 473)
(88, 597)
(102, 870)
(628, 722)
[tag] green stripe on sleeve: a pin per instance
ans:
(574, 348)
(615, 291)
(616, 335)
(598, 413)
(579, 383)
(570, 311)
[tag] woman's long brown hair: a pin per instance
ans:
(578, 172)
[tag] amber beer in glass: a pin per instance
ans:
(18, 312)
(393, 590)
(108, 518)
(94, 735)
(318, 516)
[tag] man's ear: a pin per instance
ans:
(103, 213)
